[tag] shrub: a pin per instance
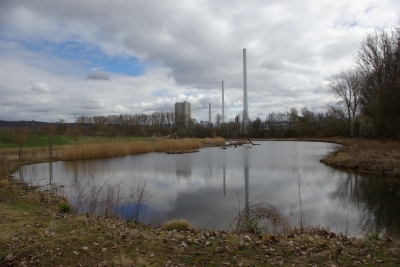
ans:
(63, 206)
(363, 126)
(178, 224)
(373, 236)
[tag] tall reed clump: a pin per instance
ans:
(180, 144)
(109, 198)
(216, 141)
(107, 150)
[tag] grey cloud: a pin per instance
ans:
(90, 104)
(272, 65)
(44, 88)
(98, 75)
(291, 47)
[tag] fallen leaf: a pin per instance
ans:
(9, 257)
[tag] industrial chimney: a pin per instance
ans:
(209, 113)
(223, 103)
(245, 106)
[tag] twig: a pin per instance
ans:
(301, 206)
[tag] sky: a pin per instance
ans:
(59, 59)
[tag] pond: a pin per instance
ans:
(209, 187)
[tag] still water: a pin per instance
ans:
(207, 188)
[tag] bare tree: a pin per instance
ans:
(218, 119)
(379, 59)
(346, 85)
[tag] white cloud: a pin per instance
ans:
(185, 50)
(44, 88)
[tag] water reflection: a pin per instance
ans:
(50, 172)
(189, 185)
(376, 200)
(224, 180)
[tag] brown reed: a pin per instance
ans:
(107, 150)
(216, 141)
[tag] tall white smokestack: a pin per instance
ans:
(209, 113)
(223, 103)
(245, 106)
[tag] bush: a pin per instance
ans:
(63, 206)
(362, 126)
(373, 236)
(178, 224)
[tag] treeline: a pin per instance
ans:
(369, 92)
(163, 123)
(306, 123)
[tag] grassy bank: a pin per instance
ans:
(376, 156)
(35, 233)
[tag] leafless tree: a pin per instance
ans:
(346, 85)
(218, 119)
(379, 60)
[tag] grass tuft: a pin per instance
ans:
(373, 236)
(64, 206)
(176, 224)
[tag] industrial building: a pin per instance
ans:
(183, 113)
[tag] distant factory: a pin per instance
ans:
(183, 110)
(183, 113)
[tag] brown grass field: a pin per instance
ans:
(91, 150)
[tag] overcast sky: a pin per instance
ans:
(100, 57)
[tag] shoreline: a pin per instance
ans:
(364, 155)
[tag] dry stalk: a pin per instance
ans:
(111, 198)
(301, 207)
(262, 218)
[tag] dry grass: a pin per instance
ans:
(177, 224)
(382, 157)
(371, 149)
(217, 141)
(107, 150)
(262, 218)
